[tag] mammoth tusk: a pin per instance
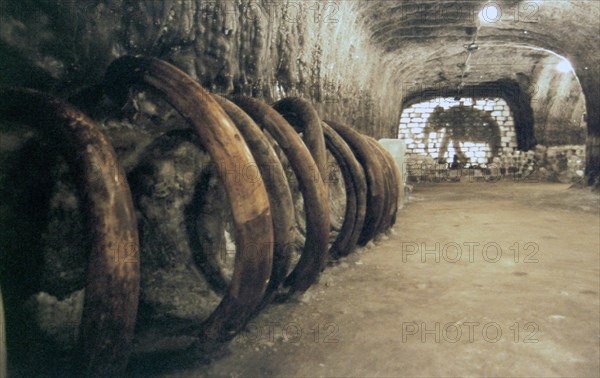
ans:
(356, 193)
(280, 195)
(112, 288)
(388, 207)
(374, 175)
(303, 117)
(316, 206)
(395, 179)
(222, 140)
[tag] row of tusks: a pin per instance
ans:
(230, 130)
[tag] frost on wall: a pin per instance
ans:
(270, 50)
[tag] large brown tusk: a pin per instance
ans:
(304, 119)
(280, 195)
(112, 288)
(249, 200)
(374, 175)
(356, 193)
(301, 115)
(316, 206)
(388, 207)
(399, 184)
(396, 179)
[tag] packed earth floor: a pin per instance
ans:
(477, 279)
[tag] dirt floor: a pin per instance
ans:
(521, 299)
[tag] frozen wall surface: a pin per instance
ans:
(269, 50)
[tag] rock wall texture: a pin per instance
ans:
(268, 50)
(559, 106)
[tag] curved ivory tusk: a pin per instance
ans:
(316, 206)
(374, 175)
(249, 200)
(356, 193)
(303, 117)
(280, 195)
(388, 207)
(399, 185)
(395, 178)
(112, 288)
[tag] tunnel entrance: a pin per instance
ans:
(457, 137)
(461, 131)
(480, 139)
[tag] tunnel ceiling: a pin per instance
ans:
(363, 56)
(567, 27)
(430, 39)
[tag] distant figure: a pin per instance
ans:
(455, 163)
(463, 124)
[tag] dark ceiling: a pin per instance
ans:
(448, 42)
